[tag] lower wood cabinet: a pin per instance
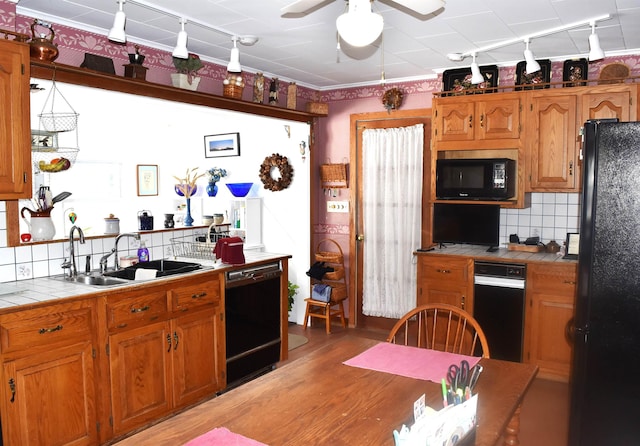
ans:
(445, 279)
(49, 393)
(551, 290)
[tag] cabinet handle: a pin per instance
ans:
(12, 387)
(50, 330)
(571, 168)
(443, 271)
(198, 296)
(470, 121)
(169, 342)
(570, 282)
(462, 302)
(481, 121)
(141, 309)
(175, 338)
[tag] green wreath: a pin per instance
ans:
(276, 161)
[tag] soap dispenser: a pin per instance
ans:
(143, 252)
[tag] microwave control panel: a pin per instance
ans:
(499, 176)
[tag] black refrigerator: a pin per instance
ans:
(605, 384)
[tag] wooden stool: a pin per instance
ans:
(324, 310)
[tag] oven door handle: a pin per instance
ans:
(500, 282)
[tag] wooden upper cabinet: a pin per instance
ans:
(15, 132)
(468, 118)
(610, 104)
(552, 143)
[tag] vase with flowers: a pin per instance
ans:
(186, 187)
(186, 75)
(214, 175)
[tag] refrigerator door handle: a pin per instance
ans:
(581, 331)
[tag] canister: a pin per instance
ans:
(111, 225)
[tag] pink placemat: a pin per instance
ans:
(412, 362)
(223, 437)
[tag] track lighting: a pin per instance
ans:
(360, 26)
(595, 52)
(234, 61)
(181, 51)
(476, 75)
(116, 33)
(532, 64)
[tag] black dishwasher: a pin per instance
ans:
(498, 306)
(252, 321)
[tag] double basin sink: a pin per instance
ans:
(127, 275)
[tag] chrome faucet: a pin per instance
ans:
(114, 250)
(73, 271)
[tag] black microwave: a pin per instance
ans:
(475, 179)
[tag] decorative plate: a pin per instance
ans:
(574, 72)
(613, 73)
(542, 76)
(457, 81)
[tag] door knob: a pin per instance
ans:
(359, 237)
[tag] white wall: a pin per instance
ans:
(117, 131)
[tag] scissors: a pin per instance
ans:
(458, 376)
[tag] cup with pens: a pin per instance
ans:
(461, 381)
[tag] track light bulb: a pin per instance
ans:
(181, 51)
(234, 61)
(116, 33)
(595, 51)
(532, 64)
(476, 75)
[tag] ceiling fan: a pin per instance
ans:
(360, 26)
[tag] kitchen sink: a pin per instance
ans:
(163, 268)
(99, 280)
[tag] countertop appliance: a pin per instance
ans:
(498, 306)
(475, 179)
(252, 323)
(605, 389)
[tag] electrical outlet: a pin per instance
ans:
(337, 206)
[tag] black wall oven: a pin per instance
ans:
(252, 322)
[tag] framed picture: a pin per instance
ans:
(224, 144)
(572, 246)
(574, 72)
(147, 180)
(457, 81)
(542, 76)
(42, 140)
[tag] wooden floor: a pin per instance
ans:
(545, 411)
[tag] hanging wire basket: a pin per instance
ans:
(57, 120)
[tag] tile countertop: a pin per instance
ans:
(47, 289)
(502, 254)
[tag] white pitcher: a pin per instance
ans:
(40, 225)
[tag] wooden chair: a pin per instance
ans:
(441, 327)
(337, 280)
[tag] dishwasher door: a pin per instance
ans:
(498, 306)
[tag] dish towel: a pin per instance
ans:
(412, 362)
(145, 274)
(223, 437)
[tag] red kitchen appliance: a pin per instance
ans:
(230, 250)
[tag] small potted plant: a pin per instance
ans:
(292, 290)
(186, 75)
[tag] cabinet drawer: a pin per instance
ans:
(46, 326)
(556, 279)
(445, 270)
(140, 306)
(196, 295)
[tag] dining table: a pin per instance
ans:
(319, 400)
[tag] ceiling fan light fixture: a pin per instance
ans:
(181, 51)
(116, 33)
(359, 26)
(595, 51)
(532, 64)
(476, 75)
(234, 61)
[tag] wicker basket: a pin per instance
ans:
(333, 176)
(232, 91)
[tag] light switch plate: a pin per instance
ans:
(337, 206)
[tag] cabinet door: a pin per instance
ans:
(198, 358)
(607, 105)
(15, 132)
(550, 294)
(553, 144)
(49, 398)
(454, 120)
(445, 280)
(498, 119)
(140, 363)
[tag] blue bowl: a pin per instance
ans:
(193, 190)
(239, 189)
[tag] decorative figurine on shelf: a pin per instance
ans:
(214, 174)
(136, 58)
(292, 93)
(258, 88)
(273, 92)
(186, 187)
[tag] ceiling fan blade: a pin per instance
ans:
(301, 8)
(422, 7)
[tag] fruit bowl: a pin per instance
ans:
(239, 189)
